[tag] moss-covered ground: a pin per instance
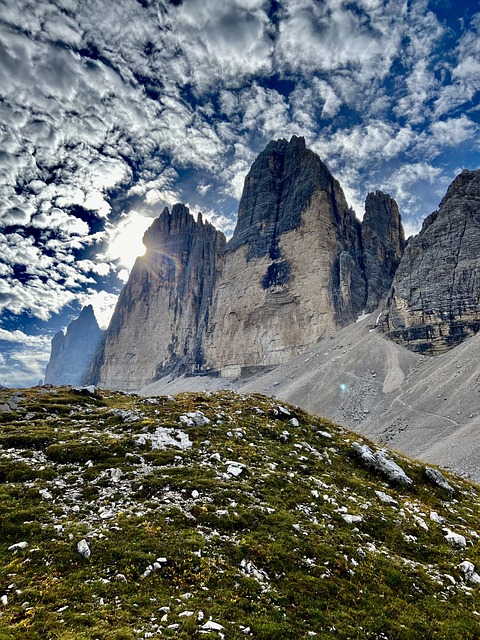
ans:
(234, 521)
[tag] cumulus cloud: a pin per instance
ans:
(19, 337)
(23, 358)
(111, 111)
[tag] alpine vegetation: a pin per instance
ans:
(226, 515)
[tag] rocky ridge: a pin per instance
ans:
(293, 268)
(73, 351)
(434, 303)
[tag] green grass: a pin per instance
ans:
(267, 550)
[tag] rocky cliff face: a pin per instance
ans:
(293, 270)
(161, 315)
(435, 299)
(292, 274)
(383, 245)
(72, 352)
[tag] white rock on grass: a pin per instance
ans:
(212, 626)
(384, 497)
(163, 437)
(234, 468)
(83, 549)
(194, 419)
(380, 462)
(434, 517)
(115, 474)
(468, 570)
(455, 539)
(18, 546)
(437, 478)
(351, 519)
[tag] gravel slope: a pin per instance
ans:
(426, 407)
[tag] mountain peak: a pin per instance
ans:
(466, 184)
(434, 303)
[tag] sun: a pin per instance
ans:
(125, 239)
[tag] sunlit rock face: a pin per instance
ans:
(292, 274)
(383, 242)
(435, 299)
(72, 352)
(162, 312)
(293, 269)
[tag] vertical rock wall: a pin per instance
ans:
(292, 274)
(162, 312)
(293, 269)
(383, 245)
(435, 299)
(72, 352)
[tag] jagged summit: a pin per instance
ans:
(72, 352)
(293, 270)
(277, 189)
(163, 310)
(173, 223)
(293, 273)
(467, 184)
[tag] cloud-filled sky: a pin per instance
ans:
(111, 110)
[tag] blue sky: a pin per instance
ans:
(110, 111)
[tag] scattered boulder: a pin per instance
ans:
(18, 546)
(438, 479)
(455, 539)
(468, 570)
(83, 549)
(381, 463)
(194, 419)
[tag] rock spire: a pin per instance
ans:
(72, 352)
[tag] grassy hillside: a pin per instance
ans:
(219, 514)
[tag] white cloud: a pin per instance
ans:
(367, 144)
(19, 337)
(329, 36)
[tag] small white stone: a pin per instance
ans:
(4, 600)
(384, 497)
(434, 517)
(213, 626)
(350, 519)
(195, 494)
(186, 614)
(234, 469)
(46, 495)
(83, 549)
